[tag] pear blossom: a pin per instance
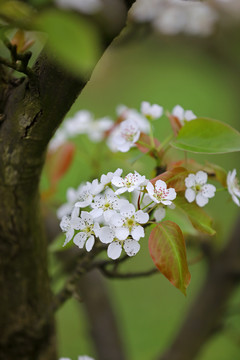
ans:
(78, 124)
(129, 183)
(69, 224)
(106, 204)
(88, 192)
(233, 186)
(88, 231)
(183, 115)
(82, 357)
(98, 128)
(127, 135)
(197, 188)
(151, 111)
(127, 222)
(86, 7)
(159, 192)
(107, 236)
(106, 179)
(159, 213)
(126, 113)
(72, 196)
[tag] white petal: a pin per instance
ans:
(160, 185)
(114, 250)
(131, 247)
(201, 200)
(117, 181)
(141, 217)
(190, 195)
(236, 200)
(87, 217)
(208, 190)
(108, 214)
(171, 194)
(201, 177)
(121, 233)
(190, 180)
(137, 232)
(121, 190)
(166, 202)
(65, 223)
(178, 111)
(128, 210)
(79, 239)
(90, 242)
(150, 188)
(189, 115)
(96, 213)
(117, 220)
(106, 234)
(159, 213)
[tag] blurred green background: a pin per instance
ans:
(167, 72)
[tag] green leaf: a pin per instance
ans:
(168, 251)
(16, 11)
(209, 136)
(198, 217)
(72, 40)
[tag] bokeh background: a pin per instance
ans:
(166, 71)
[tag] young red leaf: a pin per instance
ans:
(168, 251)
(174, 178)
(198, 217)
(145, 139)
(59, 162)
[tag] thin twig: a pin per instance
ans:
(114, 274)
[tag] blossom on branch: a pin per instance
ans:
(197, 188)
(160, 194)
(233, 186)
(151, 111)
(182, 115)
(129, 183)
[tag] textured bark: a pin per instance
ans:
(30, 112)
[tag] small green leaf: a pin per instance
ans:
(168, 251)
(208, 136)
(72, 40)
(198, 217)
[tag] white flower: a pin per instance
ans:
(197, 188)
(106, 179)
(127, 135)
(88, 192)
(183, 115)
(151, 111)
(129, 183)
(98, 128)
(160, 194)
(126, 113)
(88, 231)
(127, 222)
(87, 7)
(233, 186)
(106, 205)
(69, 224)
(85, 357)
(72, 196)
(107, 236)
(79, 124)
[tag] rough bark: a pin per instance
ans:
(31, 111)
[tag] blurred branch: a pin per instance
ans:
(204, 318)
(116, 275)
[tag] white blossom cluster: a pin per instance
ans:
(86, 7)
(233, 186)
(99, 210)
(82, 122)
(172, 17)
(121, 135)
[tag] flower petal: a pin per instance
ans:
(121, 233)
(208, 190)
(159, 213)
(201, 200)
(106, 234)
(131, 247)
(114, 250)
(137, 232)
(79, 239)
(160, 184)
(141, 217)
(201, 177)
(190, 195)
(190, 181)
(90, 242)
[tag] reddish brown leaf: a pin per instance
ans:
(168, 251)
(58, 162)
(145, 139)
